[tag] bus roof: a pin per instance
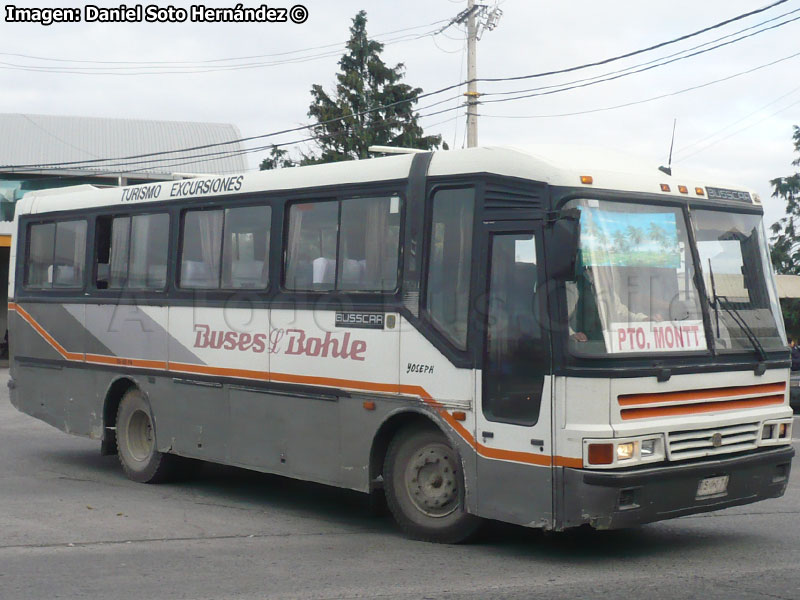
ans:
(556, 165)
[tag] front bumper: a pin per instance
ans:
(611, 500)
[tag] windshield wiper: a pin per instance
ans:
(739, 320)
(735, 315)
(714, 294)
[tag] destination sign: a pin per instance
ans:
(651, 336)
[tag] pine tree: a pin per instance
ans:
(364, 83)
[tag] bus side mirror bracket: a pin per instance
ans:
(565, 237)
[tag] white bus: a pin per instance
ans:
(475, 334)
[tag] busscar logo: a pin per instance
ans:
(360, 320)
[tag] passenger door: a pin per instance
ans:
(513, 423)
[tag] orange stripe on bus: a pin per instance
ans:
(685, 396)
(74, 356)
(390, 388)
(568, 461)
(126, 362)
(510, 455)
(218, 371)
(386, 388)
(705, 407)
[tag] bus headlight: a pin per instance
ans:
(623, 452)
(776, 432)
(626, 451)
(648, 448)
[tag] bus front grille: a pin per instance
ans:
(696, 443)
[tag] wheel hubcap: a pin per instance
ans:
(431, 480)
(140, 436)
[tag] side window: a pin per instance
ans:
(513, 372)
(245, 248)
(311, 252)
(368, 244)
(347, 245)
(449, 264)
(41, 246)
(149, 247)
(201, 249)
(132, 252)
(56, 255)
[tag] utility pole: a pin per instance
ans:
(472, 74)
(478, 18)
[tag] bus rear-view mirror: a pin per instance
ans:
(565, 236)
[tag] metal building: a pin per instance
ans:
(44, 151)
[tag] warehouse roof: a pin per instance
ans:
(42, 139)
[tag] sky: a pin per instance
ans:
(738, 130)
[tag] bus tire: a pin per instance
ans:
(136, 443)
(425, 487)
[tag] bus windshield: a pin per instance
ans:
(635, 292)
(733, 259)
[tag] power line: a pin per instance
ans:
(239, 140)
(635, 52)
(683, 157)
(646, 100)
(227, 154)
(419, 97)
(149, 162)
(223, 154)
(650, 62)
(448, 120)
(181, 70)
(620, 75)
(747, 116)
(214, 60)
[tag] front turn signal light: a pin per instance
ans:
(601, 454)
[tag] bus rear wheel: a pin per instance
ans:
(136, 442)
(425, 487)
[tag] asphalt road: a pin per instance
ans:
(72, 526)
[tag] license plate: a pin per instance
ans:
(712, 486)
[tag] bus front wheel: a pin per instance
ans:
(136, 442)
(425, 487)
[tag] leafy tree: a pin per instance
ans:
(657, 234)
(621, 242)
(364, 83)
(602, 238)
(635, 235)
(278, 158)
(785, 242)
